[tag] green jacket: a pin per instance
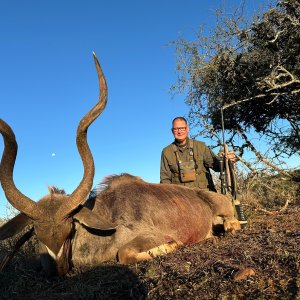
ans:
(204, 159)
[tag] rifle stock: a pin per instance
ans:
(228, 180)
(229, 185)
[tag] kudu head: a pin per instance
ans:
(53, 215)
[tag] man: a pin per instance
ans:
(187, 161)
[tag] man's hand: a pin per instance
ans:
(231, 156)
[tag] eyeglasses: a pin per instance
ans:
(176, 129)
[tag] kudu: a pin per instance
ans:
(129, 220)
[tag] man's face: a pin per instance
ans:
(180, 131)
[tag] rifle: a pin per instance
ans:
(228, 179)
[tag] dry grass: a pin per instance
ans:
(269, 249)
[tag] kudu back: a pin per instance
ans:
(129, 220)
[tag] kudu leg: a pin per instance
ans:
(137, 250)
(25, 237)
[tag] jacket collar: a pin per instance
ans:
(186, 146)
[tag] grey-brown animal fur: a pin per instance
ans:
(129, 220)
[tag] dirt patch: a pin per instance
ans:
(260, 262)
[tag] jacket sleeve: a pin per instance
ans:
(211, 160)
(165, 172)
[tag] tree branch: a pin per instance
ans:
(259, 155)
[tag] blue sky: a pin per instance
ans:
(48, 82)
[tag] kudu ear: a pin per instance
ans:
(92, 220)
(14, 226)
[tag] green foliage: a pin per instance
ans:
(252, 70)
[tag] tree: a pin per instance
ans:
(252, 71)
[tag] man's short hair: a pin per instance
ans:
(180, 119)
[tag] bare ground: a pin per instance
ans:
(260, 262)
